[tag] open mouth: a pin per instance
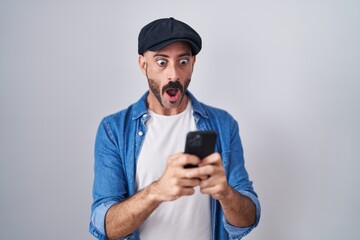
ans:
(172, 91)
(173, 94)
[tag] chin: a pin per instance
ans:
(170, 105)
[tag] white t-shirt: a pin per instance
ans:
(187, 217)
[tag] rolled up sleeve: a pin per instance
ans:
(238, 178)
(109, 185)
(97, 227)
(239, 232)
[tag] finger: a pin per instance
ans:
(204, 177)
(210, 190)
(180, 191)
(212, 181)
(214, 158)
(200, 172)
(187, 191)
(189, 182)
(217, 191)
(206, 183)
(182, 159)
(207, 170)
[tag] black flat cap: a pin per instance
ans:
(160, 33)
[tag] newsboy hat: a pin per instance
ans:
(160, 33)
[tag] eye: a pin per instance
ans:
(161, 62)
(183, 61)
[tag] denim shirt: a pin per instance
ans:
(117, 147)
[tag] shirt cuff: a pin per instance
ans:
(239, 232)
(97, 227)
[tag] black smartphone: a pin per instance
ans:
(200, 143)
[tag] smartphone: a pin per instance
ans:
(200, 143)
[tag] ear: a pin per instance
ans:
(194, 60)
(142, 64)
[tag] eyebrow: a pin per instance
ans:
(167, 56)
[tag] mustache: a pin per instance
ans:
(173, 85)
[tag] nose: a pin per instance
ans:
(173, 72)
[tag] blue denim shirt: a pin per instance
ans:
(117, 147)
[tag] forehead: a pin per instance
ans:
(176, 48)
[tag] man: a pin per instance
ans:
(141, 188)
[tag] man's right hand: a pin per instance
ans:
(125, 217)
(174, 182)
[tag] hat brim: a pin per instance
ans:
(195, 49)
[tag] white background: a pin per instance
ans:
(288, 71)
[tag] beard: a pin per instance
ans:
(159, 92)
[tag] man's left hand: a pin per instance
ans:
(213, 176)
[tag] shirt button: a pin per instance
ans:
(145, 115)
(140, 133)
